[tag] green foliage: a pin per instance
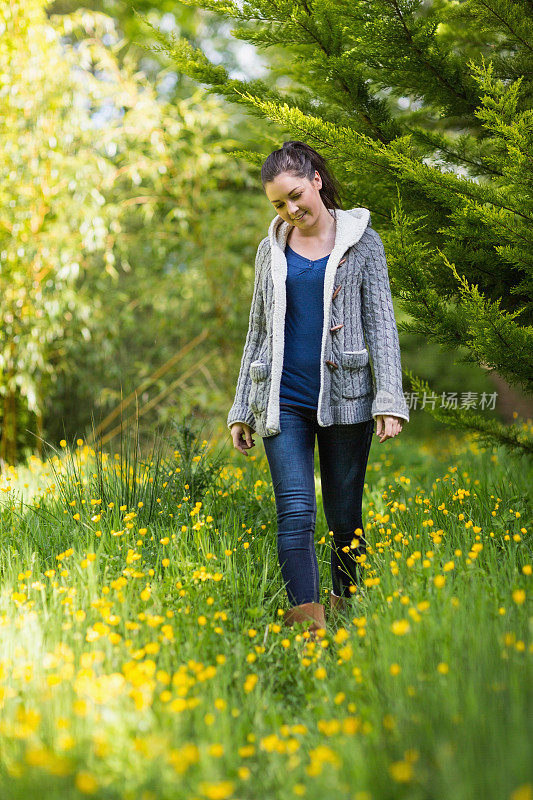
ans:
(51, 207)
(115, 237)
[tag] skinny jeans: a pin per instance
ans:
(343, 453)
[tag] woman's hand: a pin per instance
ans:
(241, 433)
(388, 426)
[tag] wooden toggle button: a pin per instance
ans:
(342, 261)
(332, 364)
(336, 292)
(337, 327)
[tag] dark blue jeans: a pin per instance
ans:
(343, 453)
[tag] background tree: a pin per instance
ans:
(109, 265)
(50, 215)
(424, 110)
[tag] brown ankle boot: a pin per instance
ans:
(314, 612)
(338, 604)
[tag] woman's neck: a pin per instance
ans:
(317, 237)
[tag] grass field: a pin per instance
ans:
(143, 653)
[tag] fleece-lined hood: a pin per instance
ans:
(350, 226)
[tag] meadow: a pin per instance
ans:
(143, 654)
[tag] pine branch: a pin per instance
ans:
(491, 334)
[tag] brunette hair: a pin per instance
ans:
(301, 160)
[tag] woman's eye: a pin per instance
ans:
(294, 198)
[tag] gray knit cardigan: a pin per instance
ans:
(358, 322)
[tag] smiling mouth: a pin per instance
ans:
(300, 217)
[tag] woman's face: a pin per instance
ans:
(296, 200)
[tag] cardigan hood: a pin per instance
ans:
(350, 226)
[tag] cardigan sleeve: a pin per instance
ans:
(381, 333)
(240, 411)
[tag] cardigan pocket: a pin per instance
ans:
(258, 391)
(356, 375)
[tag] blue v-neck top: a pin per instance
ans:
(300, 379)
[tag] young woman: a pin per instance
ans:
(321, 298)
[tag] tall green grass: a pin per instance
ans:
(143, 653)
